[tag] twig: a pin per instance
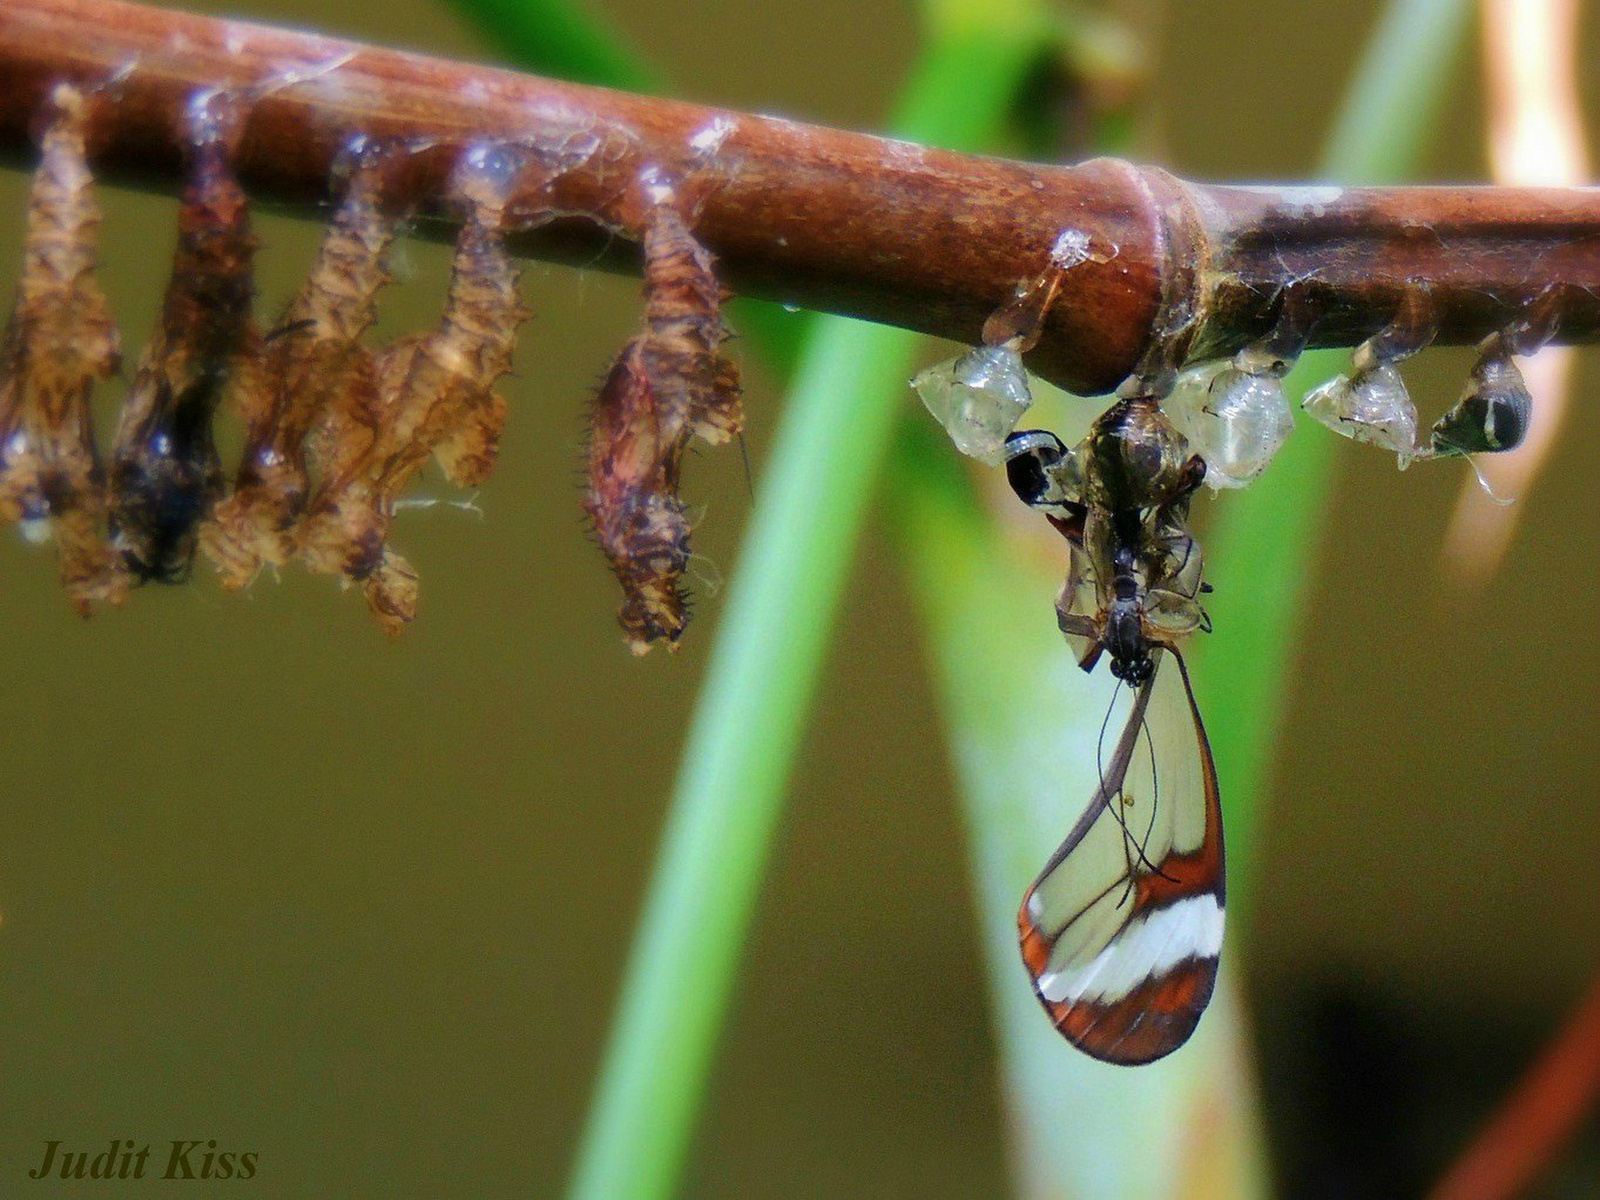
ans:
(1537, 1118)
(838, 221)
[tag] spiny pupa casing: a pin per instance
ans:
(59, 342)
(165, 471)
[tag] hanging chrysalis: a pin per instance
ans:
(59, 342)
(635, 451)
(1235, 414)
(645, 413)
(1371, 404)
(980, 396)
(320, 383)
(1493, 413)
(671, 382)
(165, 472)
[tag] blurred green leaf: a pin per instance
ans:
(561, 38)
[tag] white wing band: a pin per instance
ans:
(1146, 948)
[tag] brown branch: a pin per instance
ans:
(838, 221)
(1538, 1118)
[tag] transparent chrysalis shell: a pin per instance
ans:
(1173, 613)
(978, 397)
(1492, 414)
(1236, 420)
(1370, 406)
(1043, 472)
(1172, 603)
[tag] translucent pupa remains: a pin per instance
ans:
(1234, 413)
(59, 342)
(979, 396)
(1371, 404)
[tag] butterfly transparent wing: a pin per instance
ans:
(1076, 606)
(1122, 930)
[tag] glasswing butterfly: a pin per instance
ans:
(1121, 931)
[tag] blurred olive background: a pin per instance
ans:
(361, 906)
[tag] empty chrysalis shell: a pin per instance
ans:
(1235, 420)
(1492, 414)
(1043, 472)
(1370, 406)
(978, 397)
(1172, 612)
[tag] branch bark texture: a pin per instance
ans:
(843, 222)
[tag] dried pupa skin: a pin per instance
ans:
(435, 397)
(165, 471)
(634, 458)
(468, 455)
(683, 349)
(59, 342)
(439, 389)
(391, 592)
(320, 385)
(672, 382)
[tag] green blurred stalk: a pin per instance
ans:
(1023, 723)
(560, 38)
(1263, 545)
(777, 623)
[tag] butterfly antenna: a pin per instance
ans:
(1100, 742)
(1155, 801)
(749, 479)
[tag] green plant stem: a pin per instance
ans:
(1022, 723)
(777, 622)
(1263, 545)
